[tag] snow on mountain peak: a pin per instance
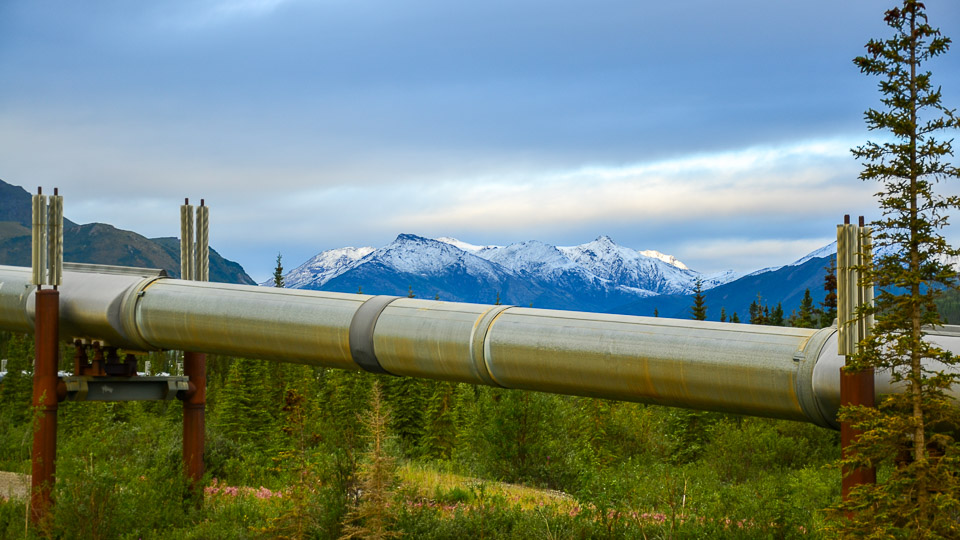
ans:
(669, 259)
(533, 257)
(626, 267)
(424, 256)
(323, 267)
(469, 248)
(825, 251)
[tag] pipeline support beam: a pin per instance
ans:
(43, 456)
(194, 402)
(856, 389)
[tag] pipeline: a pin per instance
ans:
(788, 373)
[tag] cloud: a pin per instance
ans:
(763, 181)
(749, 253)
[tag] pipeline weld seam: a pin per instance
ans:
(485, 349)
(361, 333)
(477, 339)
(130, 324)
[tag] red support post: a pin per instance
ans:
(856, 388)
(194, 367)
(45, 379)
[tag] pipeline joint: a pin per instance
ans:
(478, 349)
(361, 333)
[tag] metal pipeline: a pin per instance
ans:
(789, 373)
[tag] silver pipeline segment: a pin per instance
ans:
(757, 370)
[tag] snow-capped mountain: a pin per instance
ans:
(411, 254)
(534, 258)
(623, 266)
(596, 276)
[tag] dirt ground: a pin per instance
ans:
(13, 485)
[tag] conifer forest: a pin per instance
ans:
(302, 452)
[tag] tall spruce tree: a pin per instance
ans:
(920, 495)
(699, 310)
(828, 308)
(278, 272)
(806, 317)
(776, 316)
(372, 516)
(439, 419)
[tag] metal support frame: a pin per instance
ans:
(194, 266)
(104, 388)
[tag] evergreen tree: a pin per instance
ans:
(410, 292)
(776, 316)
(372, 516)
(16, 388)
(734, 318)
(278, 272)
(300, 517)
(344, 395)
(723, 314)
(920, 495)
(806, 317)
(440, 428)
(405, 397)
(656, 313)
(758, 312)
(699, 309)
(828, 308)
(242, 413)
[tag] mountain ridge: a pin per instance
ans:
(595, 276)
(98, 243)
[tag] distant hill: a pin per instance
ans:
(784, 285)
(15, 206)
(98, 243)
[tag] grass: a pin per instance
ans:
(427, 482)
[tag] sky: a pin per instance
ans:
(718, 132)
